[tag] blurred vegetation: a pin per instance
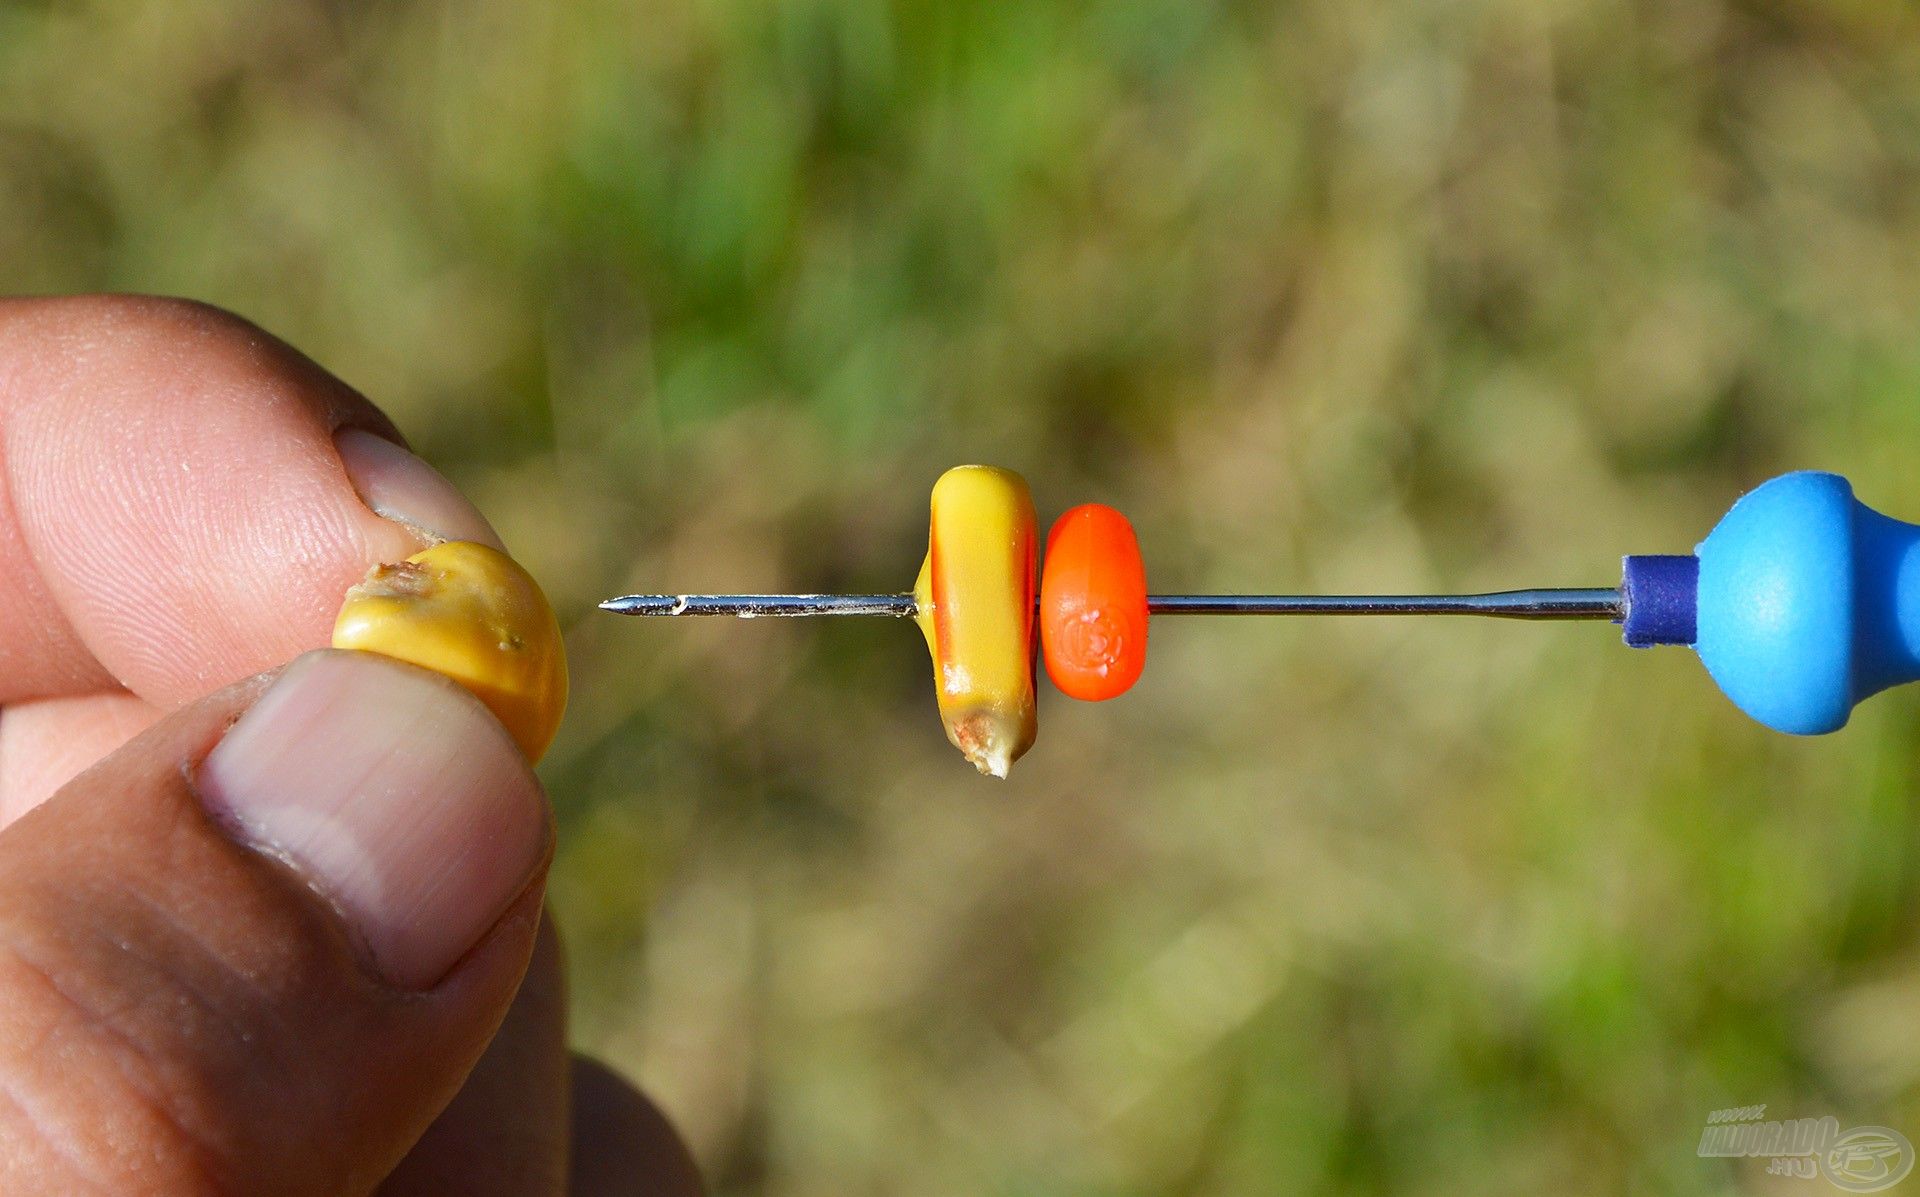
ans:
(1326, 296)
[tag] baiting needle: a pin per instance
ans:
(1801, 602)
(1566, 603)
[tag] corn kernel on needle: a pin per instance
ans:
(1564, 603)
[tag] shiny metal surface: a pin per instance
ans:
(1594, 603)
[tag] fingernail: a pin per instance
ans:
(396, 485)
(394, 794)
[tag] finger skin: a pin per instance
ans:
(530, 1120)
(179, 1014)
(505, 1134)
(173, 513)
(45, 743)
(623, 1146)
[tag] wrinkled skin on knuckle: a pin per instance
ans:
(146, 1022)
(88, 1106)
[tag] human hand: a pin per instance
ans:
(274, 940)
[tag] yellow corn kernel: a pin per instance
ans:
(471, 613)
(974, 604)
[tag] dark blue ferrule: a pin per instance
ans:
(1660, 594)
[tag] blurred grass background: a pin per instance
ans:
(1325, 296)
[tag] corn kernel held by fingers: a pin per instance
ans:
(470, 612)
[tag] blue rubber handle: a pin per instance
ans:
(1806, 601)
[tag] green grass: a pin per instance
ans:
(1325, 296)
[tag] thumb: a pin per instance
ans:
(261, 956)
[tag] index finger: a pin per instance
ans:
(177, 509)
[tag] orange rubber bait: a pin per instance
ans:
(1093, 604)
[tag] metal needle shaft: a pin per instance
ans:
(1593, 603)
(750, 606)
